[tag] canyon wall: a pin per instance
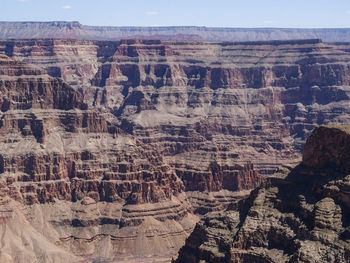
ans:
(73, 185)
(112, 150)
(299, 215)
(205, 106)
(76, 185)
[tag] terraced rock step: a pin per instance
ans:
(75, 187)
(175, 127)
(205, 103)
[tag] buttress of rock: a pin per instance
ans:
(333, 152)
(301, 216)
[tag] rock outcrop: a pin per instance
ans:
(301, 215)
(75, 30)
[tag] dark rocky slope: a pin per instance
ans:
(299, 216)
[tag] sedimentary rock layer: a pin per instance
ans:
(136, 136)
(74, 186)
(301, 215)
(205, 106)
(75, 30)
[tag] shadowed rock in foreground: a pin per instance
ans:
(298, 216)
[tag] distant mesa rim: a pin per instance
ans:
(76, 30)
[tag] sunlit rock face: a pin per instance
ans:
(205, 105)
(75, 186)
(117, 144)
(72, 182)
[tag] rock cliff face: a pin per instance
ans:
(120, 145)
(297, 216)
(75, 30)
(205, 106)
(73, 185)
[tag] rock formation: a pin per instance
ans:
(73, 185)
(205, 106)
(75, 30)
(119, 146)
(297, 216)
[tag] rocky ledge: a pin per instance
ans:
(299, 215)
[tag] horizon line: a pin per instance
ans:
(167, 26)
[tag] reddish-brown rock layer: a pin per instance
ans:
(154, 130)
(201, 103)
(72, 182)
(301, 215)
(46, 109)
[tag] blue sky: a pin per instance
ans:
(216, 13)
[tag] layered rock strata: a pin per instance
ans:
(170, 126)
(204, 104)
(300, 215)
(73, 185)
